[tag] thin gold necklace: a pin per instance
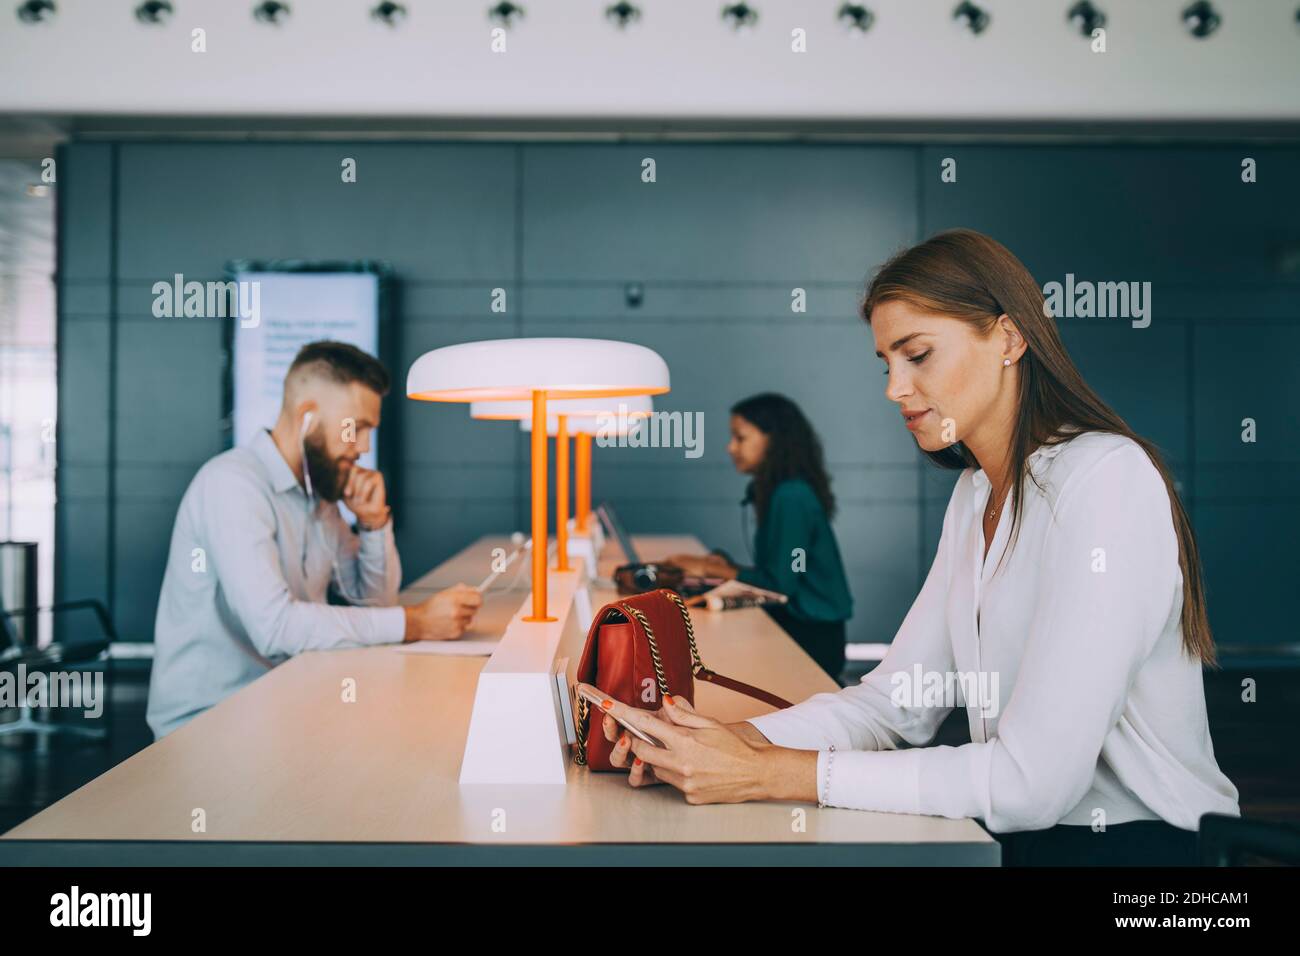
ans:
(993, 512)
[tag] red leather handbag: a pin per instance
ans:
(638, 649)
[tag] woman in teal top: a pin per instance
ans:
(795, 552)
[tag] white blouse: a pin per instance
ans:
(1083, 707)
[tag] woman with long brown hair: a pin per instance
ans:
(1077, 650)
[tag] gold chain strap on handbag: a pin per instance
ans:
(581, 716)
(580, 757)
(655, 659)
(690, 628)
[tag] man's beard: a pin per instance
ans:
(327, 477)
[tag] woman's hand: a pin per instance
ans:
(641, 774)
(706, 760)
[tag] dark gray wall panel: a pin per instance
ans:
(435, 530)
(168, 390)
(84, 298)
(879, 544)
(715, 212)
(85, 179)
(81, 549)
(84, 237)
(717, 244)
(431, 211)
(1250, 567)
(144, 531)
(1247, 506)
(84, 400)
(1141, 373)
(686, 303)
(1168, 214)
(1246, 370)
(83, 481)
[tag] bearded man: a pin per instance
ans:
(259, 542)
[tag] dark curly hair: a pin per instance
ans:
(793, 450)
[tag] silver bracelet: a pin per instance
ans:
(826, 791)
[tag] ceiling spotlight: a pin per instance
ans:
(1201, 19)
(36, 11)
(506, 14)
(388, 13)
(154, 12)
(739, 16)
(623, 14)
(1085, 17)
(272, 12)
(973, 18)
(855, 18)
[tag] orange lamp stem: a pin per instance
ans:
(561, 492)
(582, 465)
(540, 536)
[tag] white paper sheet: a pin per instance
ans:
(466, 647)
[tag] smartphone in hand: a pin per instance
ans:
(595, 695)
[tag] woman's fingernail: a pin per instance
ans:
(623, 741)
(606, 704)
(637, 762)
(668, 699)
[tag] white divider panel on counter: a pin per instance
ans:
(516, 732)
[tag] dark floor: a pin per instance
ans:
(36, 771)
(1257, 744)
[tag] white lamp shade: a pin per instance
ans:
(513, 369)
(636, 406)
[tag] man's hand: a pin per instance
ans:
(366, 497)
(443, 617)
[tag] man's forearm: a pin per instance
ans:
(378, 571)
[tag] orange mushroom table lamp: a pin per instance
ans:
(580, 418)
(537, 370)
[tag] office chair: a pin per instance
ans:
(1225, 841)
(69, 655)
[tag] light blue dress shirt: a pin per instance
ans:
(248, 574)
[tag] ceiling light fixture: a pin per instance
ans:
(506, 14)
(622, 14)
(272, 12)
(388, 13)
(1085, 17)
(740, 16)
(154, 12)
(36, 11)
(855, 18)
(973, 18)
(1201, 19)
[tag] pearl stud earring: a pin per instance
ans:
(1006, 361)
